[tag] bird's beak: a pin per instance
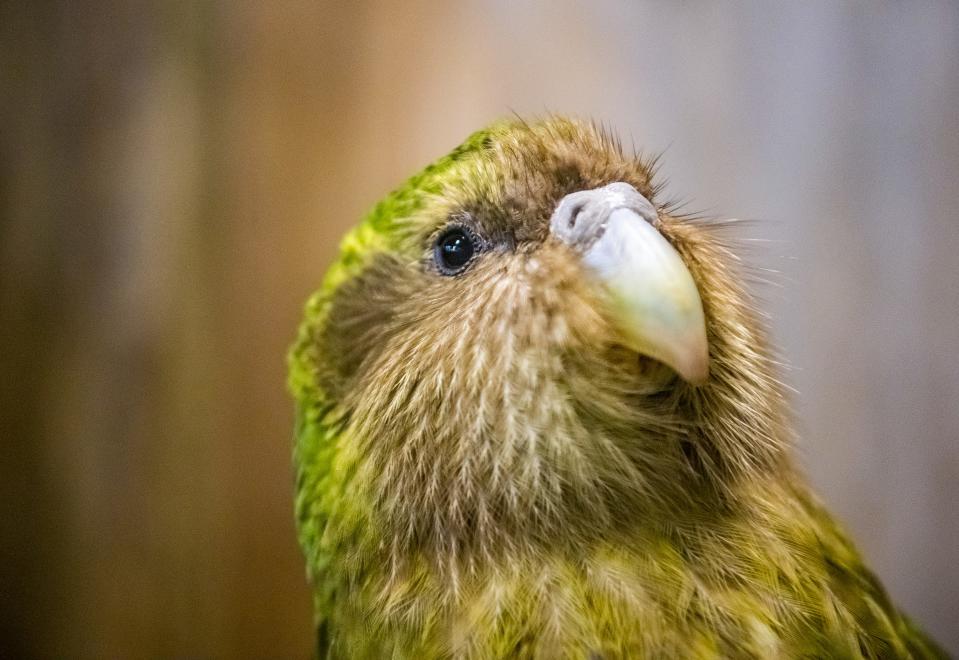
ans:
(652, 295)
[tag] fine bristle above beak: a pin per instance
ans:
(652, 296)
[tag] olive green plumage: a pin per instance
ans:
(484, 471)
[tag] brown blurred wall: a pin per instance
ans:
(175, 177)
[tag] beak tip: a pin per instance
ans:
(698, 375)
(693, 367)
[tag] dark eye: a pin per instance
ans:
(454, 249)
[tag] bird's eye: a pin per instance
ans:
(454, 249)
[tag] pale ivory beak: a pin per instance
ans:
(652, 295)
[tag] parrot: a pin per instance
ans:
(538, 415)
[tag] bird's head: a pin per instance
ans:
(522, 342)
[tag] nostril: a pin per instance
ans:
(574, 214)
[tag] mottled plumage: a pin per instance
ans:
(484, 470)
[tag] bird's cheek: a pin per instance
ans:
(567, 307)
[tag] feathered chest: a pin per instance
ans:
(790, 588)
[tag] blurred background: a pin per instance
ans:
(175, 176)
